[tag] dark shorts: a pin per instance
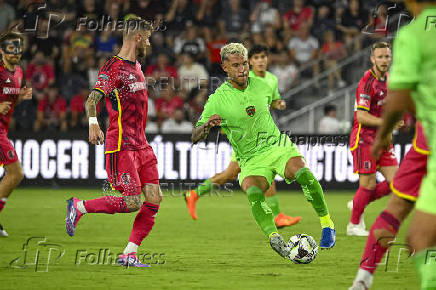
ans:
(364, 163)
(407, 181)
(129, 171)
(7, 151)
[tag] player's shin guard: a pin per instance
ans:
(312, 190)
(106, 204)
(385, 228)
(426, 267)
(382, 189)
(143, 223)
(360, 201)
(204, 188)
(261, 211)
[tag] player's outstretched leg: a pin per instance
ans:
(315, 195)
(262, 213)
(12, 178)
(108, 204)
(280, 218)
(192, 196)
(142, 226)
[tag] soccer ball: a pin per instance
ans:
(303, 249)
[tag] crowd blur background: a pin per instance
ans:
(66, 41)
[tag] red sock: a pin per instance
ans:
(360, 201)
(143, 223)
(106, 204)
(2, 204)
(381, 190)
(374, 251)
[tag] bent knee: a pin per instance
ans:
(133, 203)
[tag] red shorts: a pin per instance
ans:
(408, 178)
(7, 151)
(364, 163)
(129, 171)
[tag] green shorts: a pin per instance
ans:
(233, 158)
(269, 163)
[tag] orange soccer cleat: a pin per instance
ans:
(282, 220)
(191, 198)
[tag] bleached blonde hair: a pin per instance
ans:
(233, 48)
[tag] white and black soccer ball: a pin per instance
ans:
(303, 249)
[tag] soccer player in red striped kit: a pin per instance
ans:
(370, 99)
(130, 161)
(11, 93)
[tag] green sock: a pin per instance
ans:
(204, 188)
(273, 203)
(261, 211)
(313, 192)
(425, 263)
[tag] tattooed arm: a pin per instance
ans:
(96, 136)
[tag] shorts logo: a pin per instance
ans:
(251, 110)
(11, 154)
(367, 164)
(126, 178)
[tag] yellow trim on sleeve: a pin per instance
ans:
(363, 107)
(417, 149)
(120, 127)
(357, 139)
(400, 194)
(101, 91)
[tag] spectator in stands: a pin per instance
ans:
(190, 43)
(178, 15)
(215, 39)
(52, 111)
(7, 15)
(234, 20)
(162, 71)
(191, 74)
(106, 43)
(296, 17)
(167, 103)
(329, 124)
(285, 71)
(208, 14)
(150, 10)
(77, 47)
(263, 14)
(323, 23)
(332, 52)
(40, 73)
(78, 118)
(303, 50)
(197, 101)
(351, 23)
(177, 123)
(158, 46)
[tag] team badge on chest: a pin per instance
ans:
(251, 110)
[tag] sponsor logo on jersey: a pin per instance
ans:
(251, 110)
(132, 77)
(11, 91)
(126, 178)
(134, 87)
(103, 76)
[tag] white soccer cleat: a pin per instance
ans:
(3, 233)
(363, 280)
(356, 230)
(361, 222)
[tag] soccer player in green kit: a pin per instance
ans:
(412, 78)
(240, 106)
(258, 58)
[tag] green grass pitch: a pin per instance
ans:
(223, 249)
